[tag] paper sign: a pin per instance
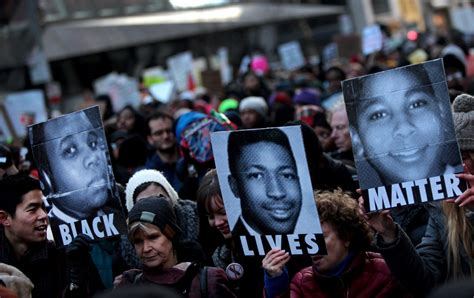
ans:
(267, 192)
(461, 18)
(403, 139)
(180, 67)
(291, 55)
(154, 75)
(122, 90)
(24, 108)
(163, 92)
(372, 39)
(76, 174)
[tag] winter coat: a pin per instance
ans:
(366, 276)
(420, 269)
(184, 278)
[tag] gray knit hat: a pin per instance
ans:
(463, 116)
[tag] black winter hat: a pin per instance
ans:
(156, 211)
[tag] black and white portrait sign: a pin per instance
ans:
(267, 192)
(76, 176)
(403, 138)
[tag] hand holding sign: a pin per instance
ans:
(274, 262)
(382, 222)
(467, 197)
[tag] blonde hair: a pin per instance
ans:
(459, 234)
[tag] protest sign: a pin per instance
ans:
(122, 90)
(76, 176)
(372, 39)
(154, 75)
(6, 135)
(403, 139)
(291, 55)
(180, 67)
(25, 108)
(267, 192)
(163, 92)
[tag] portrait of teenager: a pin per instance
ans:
(446, 251)
(71, 154)
(54, 272)
(154, 233)
(264, 177)
(223, 253)
(401, 125)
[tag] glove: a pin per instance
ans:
(78, 258)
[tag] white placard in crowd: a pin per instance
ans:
(461, 18)
(403, 138)
(163, 92)
(267, 192)
(291, 55)
(76, 176)
(5, 133)
(180, 67)
(372, 39)
(123, 90)
(25, 108)
(225, 67)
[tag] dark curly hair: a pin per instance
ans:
(341, 211)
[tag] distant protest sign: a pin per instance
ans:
(267, 192)
(76, 176)
(372, 39)
(122, 89)
(291, 55)
(25, 108)
(180, 67)
(403, 139)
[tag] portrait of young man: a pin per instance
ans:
(265, 182)
(401, 125)
(74, 167)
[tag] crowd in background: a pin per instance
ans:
(162, 168)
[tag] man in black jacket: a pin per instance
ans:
(24, 221)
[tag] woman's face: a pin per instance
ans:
(400, 128)
(126, 120)
(217, 218)
(337, 250)
(78, 164)
(153, 248)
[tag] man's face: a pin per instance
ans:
(31, 220)
(78, 164)
(340, 131)
(400, 129)
(266, 181)
(161, 134)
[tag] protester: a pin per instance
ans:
(130, 121)
(347, 270)
(341, 136)
(7, 165)
(253, 112)
(24, 221)
(147, 183)
(165, 157)
(153, 230)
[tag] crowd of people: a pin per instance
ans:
(179, 241)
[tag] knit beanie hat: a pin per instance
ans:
(228, 104)
(156, 211)
(256, 103)
(145, 176)
(463, 116)
(307, 97)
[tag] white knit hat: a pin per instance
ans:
(256, 103)
(145, 176)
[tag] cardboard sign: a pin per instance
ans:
(291, 55)
(76, 176)
(403, 139)
(267, 192)
(122, 90)
(372, 39)
(25, 108)
(180, 67)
